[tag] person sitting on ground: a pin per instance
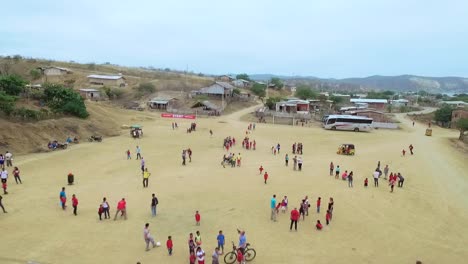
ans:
(318, 225)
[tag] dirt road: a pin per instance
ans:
(425, 220)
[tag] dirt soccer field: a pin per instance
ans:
(426, 220)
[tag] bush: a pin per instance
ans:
(12, 84)
(271, 102)
(304, 92)
(64, 100)
(236, 91)
(27, 114)
(35, 74)
(146, 88)
(443, 114)
(7, 103)
(113, 93)
(259, 89)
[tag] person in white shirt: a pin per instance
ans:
(4, 175)
(376, 178)
(8, 158)
(147, 236)
(200, 255)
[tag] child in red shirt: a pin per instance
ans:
(192, 258)
(319, 200)
(265, 176)
(197, 218)
(328, 217)
(319, 225)
(169, 245)
(4, 186)
(260, 169)
(366, 182)
(404, 152)
(240, 256)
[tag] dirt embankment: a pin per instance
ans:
(27, 137)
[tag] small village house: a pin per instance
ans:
(54, 71)
(345, 97)
(241, 83)
(91, 94)
(399, 102)
(107, 80)
(226, 78)
(206, 105)
(293, 106)
(458, 114)
(161, 103)
(455, 103)
(218, 90)
(378, 104)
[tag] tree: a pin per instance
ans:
(443, 114)
(35, 74)
(277, 82)
(336, 99)
(271, 102)
(259, 89)
(236, 91)
(146, 88)
(7, 103)
(12, 84)
(64, 100)
(243, 76)
(305, 92)
(462, 125)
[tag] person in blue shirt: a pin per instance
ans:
(63, 198)
(242, 240)
(273, 208)
(220, 239)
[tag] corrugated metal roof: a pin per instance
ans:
(105, 77)
(89, 90)
(377, 101)
(225, 85)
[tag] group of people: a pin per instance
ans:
(231, 159)
(403, 152)
(248, 144)
(229, 142)
(5, 162)
(303, 211)
(193, 127)
(297, 148)
(186, 153)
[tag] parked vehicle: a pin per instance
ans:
(348, 122)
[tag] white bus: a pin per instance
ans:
(348, 122)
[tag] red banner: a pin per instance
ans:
(167, 115)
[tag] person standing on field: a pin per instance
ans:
(273, 208)
(294, 218)
(401, 180)
(9, 158)
(16, 174)
(376, 178)
(286, 159)
(332, 167)
(74, 204)
(385, 171)
(350, 180)
(154, 203)
(337, 172)
(142, 164)
(146, 175)
(105, 208)
(63, 198)
(138, 152)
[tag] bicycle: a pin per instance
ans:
(231, 257)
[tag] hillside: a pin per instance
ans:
(403, 83)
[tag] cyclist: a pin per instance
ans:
(242, 240)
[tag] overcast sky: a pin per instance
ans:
(323, 38)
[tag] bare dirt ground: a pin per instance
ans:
(425, 220)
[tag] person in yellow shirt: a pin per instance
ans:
(146, 175)
(239, 158)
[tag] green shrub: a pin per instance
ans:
(64, 100)
(12, 84)
(146, 88)
(7, 103)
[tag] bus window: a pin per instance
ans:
(331, 121)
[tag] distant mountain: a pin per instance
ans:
(402, 83)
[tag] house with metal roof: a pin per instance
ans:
(293, 106)
(89, 93)
(455, 103)
(107, 80)
(241, 83)
(370, 103)
(161, 103)
(54, 71)
(218, 89)
(206, 105)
